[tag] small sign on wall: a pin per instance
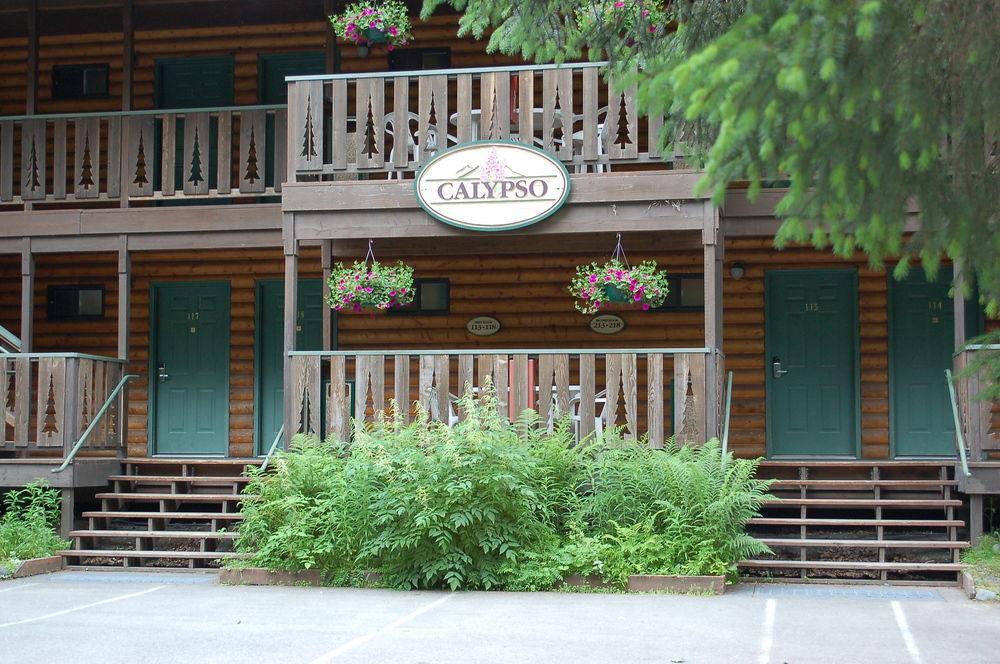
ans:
(483, 326)
(607, 324)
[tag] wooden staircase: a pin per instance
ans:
(860, 521)
(164, 513)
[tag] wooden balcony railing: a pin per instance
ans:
(394, 122)
(50, 399)
(980, 418)
(143, 155)
(654, 392)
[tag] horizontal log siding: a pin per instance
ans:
(245, 43)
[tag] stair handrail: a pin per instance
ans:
(8, 338)
(93, 423)
(725, 420)
(959, 438)
(274, 447)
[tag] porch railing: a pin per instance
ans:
(143, 155)
(9, 342)
(980, 421)
(394, 122)
(50, 400)
(657, 392)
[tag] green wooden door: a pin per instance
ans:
(270, 348)
(921, 343)
(189, 368)
(273, 68)
(811, 354)
(202, 82)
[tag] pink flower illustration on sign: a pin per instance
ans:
(493, 168)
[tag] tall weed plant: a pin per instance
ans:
(29, 527)
(493, 504)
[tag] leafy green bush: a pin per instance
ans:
(984, 561)
(491, 504)
(29, 527)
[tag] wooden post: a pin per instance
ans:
(326, 258)
(68, 509)
(291, 309)
(27, 295)
(128, 67)
(31, 96)
(959, 303)
(124, 293)
(975, 518)
(331, 39)
(714, 249)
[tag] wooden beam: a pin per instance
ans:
(27, 295)
(959, 303)
(326, 261)
(31, 96)
(128, 77)
(714, 247)
(124, 295)
(291, 313)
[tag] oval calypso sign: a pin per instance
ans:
(607, 324)
(483, 326)
(492, 185)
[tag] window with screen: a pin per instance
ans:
(430, 296)
(687, 293)
(413, 59)
(75, 302)
(79, 81)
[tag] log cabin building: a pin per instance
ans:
(177, 178)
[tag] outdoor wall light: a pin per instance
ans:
(737, 270)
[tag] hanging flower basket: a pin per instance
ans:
(370, 285)
(375, 22)
(616, 282)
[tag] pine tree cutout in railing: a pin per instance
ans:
(688, 431)
(85, 409)
(141, 178)
(557, 126)
(252, 175)
(305, 412)
(308, 137)
(49, 424)
(493, 131)
(33, 182)
(196, 177)
(622, 137)
(87, 168)
(370, 148)
(426, 145)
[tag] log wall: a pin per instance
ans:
(244, 42)
(525, 292)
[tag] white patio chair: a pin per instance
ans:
(600, 405)
(414, 145)
(602, 141)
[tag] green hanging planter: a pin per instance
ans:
(376, 36)
(616, 294)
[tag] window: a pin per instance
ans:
(687, 293)
(413, 59)
(79, 81)
(430, 296)
(75, 302)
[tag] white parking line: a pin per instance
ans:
(22, 585)
(80, 608)
(365, 638)
(767, 636)
(904, 630)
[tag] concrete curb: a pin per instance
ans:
(709, 585)
(35, 566)
(258, 576)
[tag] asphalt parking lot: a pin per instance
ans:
(83, 617)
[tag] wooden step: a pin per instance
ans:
(888, 523)
(181, 479)
(861, 484)
(106, 553)
(181, 461)
(156, 534)
(865, 502)
(847, 564)
(858, 463)
(180, 516)
(181, 497)
(865, 544)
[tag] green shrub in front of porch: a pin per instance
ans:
(490, 504)
(29, 527)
